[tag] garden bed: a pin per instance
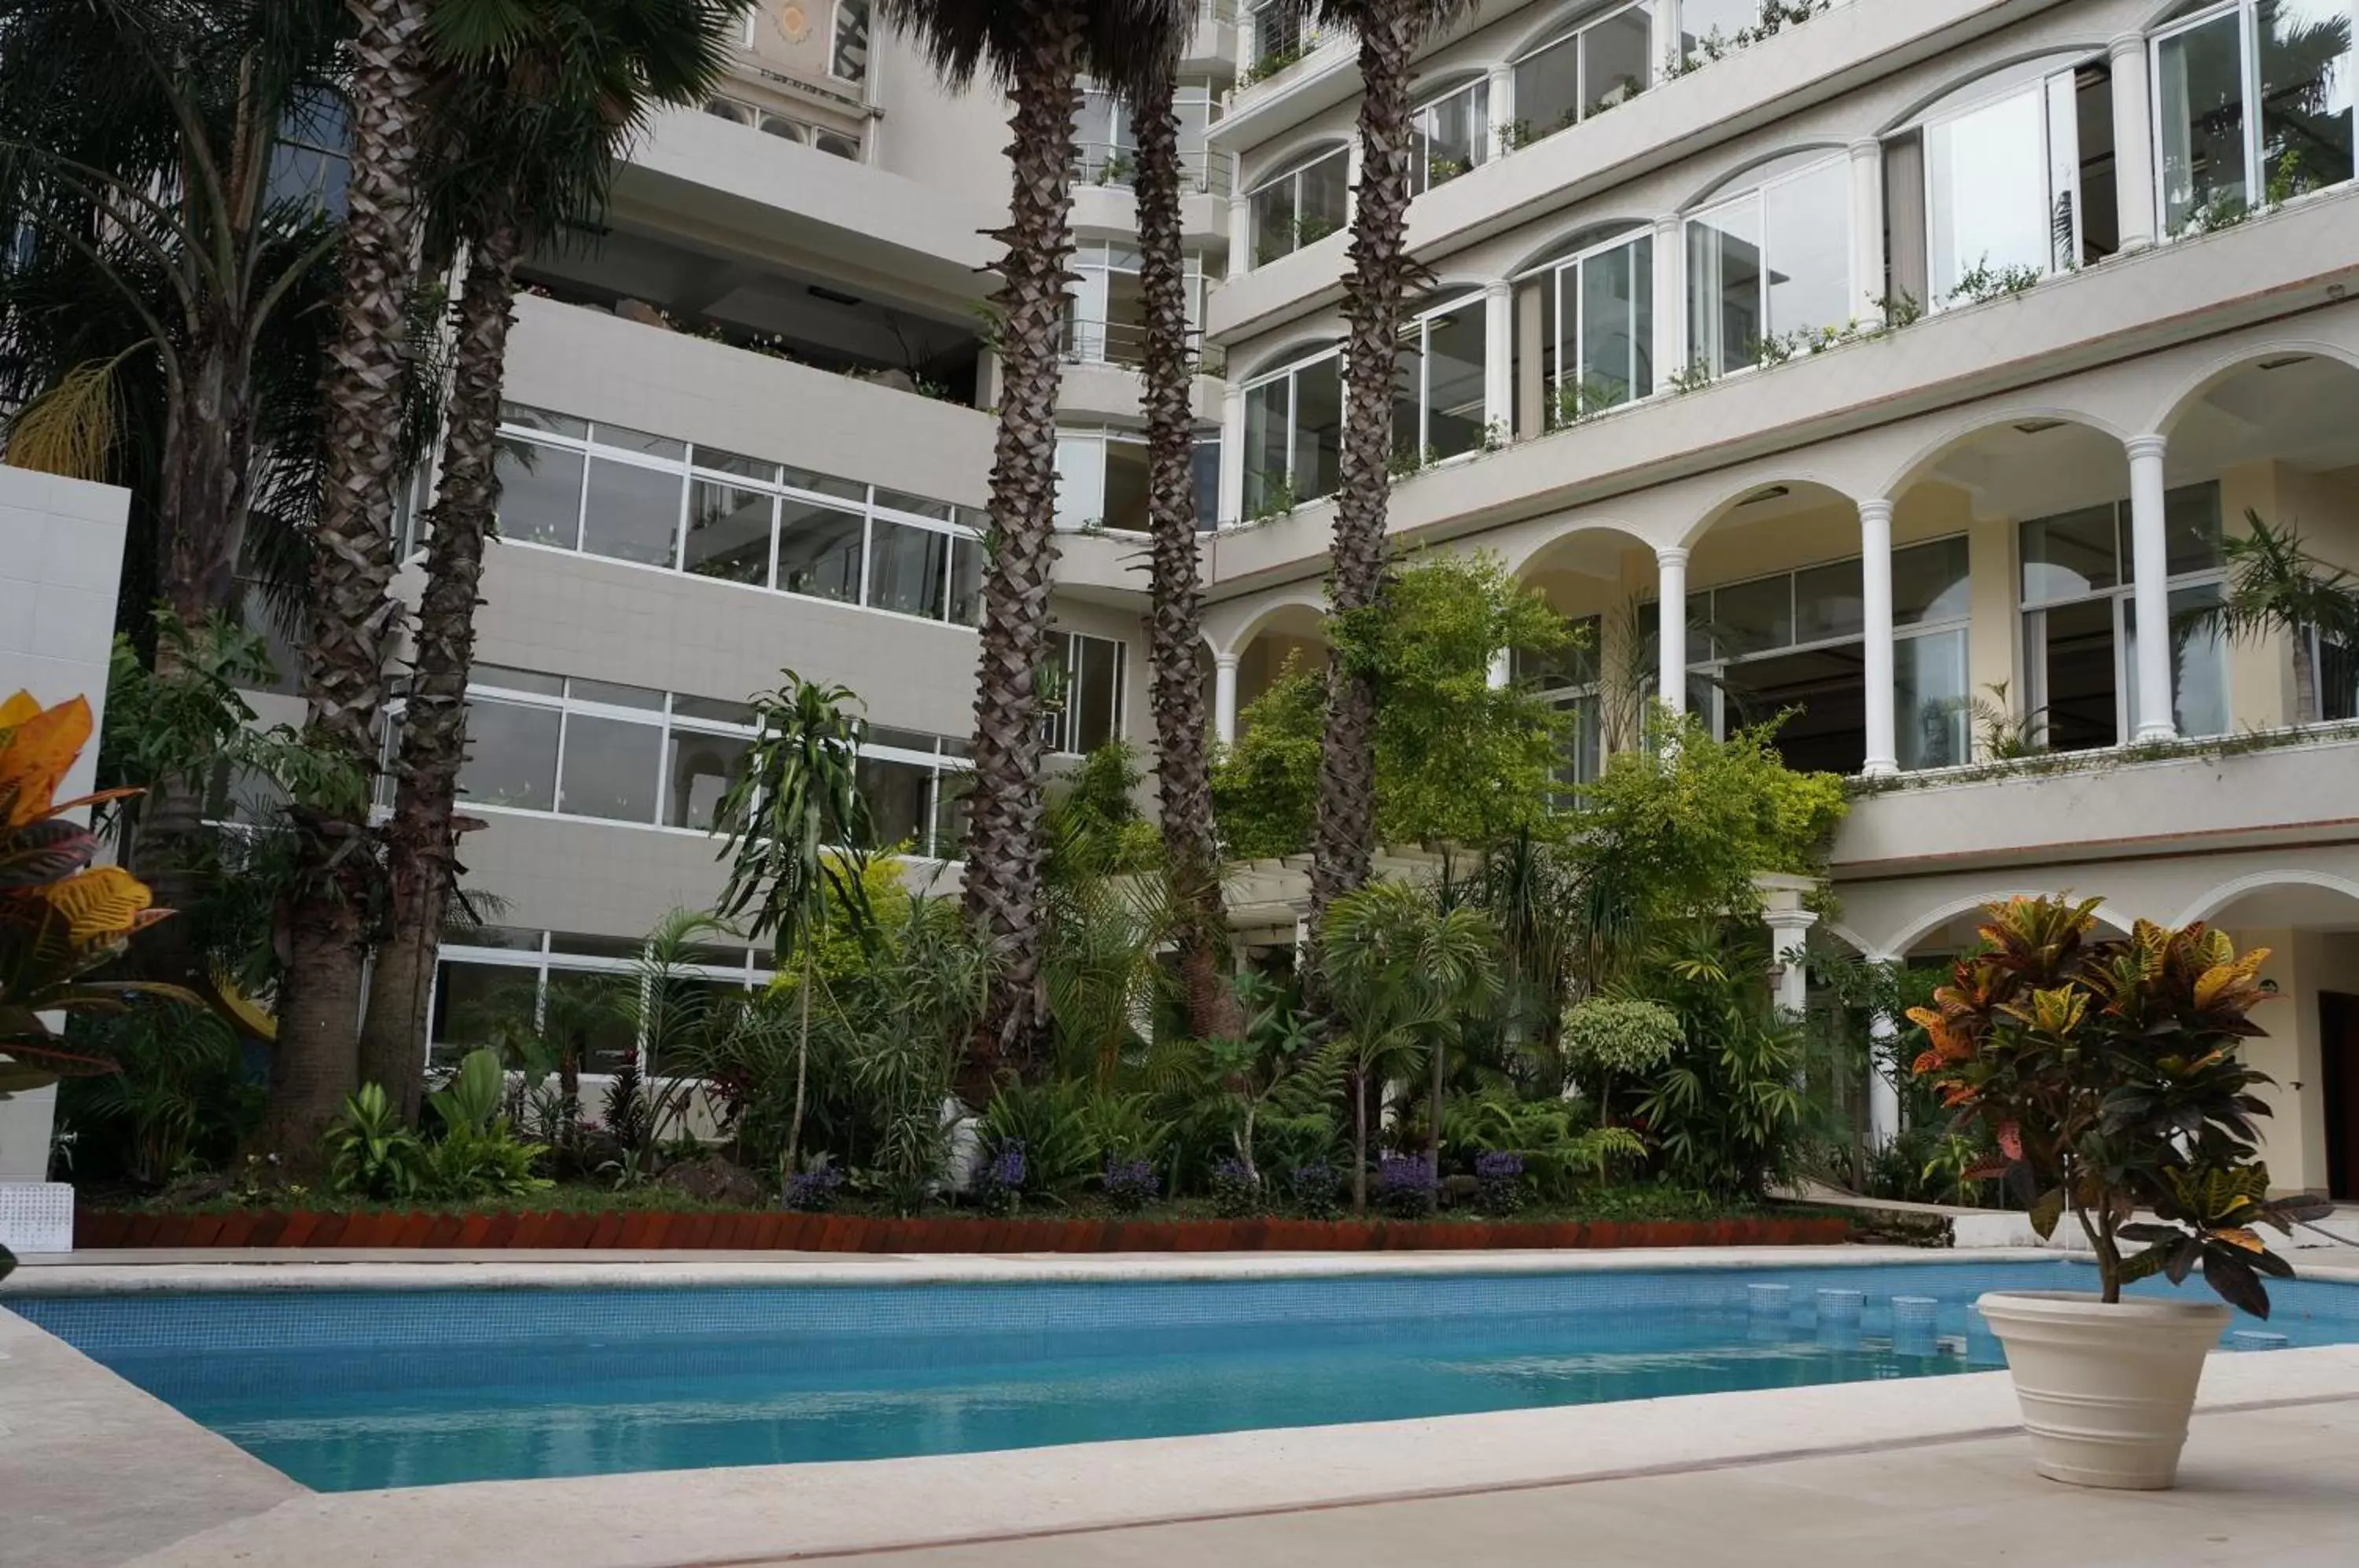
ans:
(657, 1230)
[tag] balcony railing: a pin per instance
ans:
(1125, 343)
(1202, 169)
(786, 127)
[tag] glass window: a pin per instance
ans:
(850, 490)
(966, 582)
(730, 463)
(639, 443)
(2066, 555)
(1614, 58)
(541, 493)
(611, 765)
(1081, 479)
(1439, 384)
(2199, 82)
(714, 710)
(1726, 313)
(1125, 484)
(2306, 112)
(1452, 134)
(1749, 616)
(1301, 207)
(525, 417)
(728, 533)
(2190, 523)
(699, 771)
(1987, 200)
(2199, 664)
(1722, 20)
(511, 754)
(847, 52)
(1617, 326)
(898, 794)
(509, 680)
(1204, 468)
(1547, 91)
(907, 568)
(1318, 427)
(819, 551)
(1930, 700)
(584, 1012)
(1773, 262)
(1097, 693)
(472, 1001)
(1293, 436)
(610, 694)
(916, 505)
(1930, 582)
(1809, 249)
(1828, 604)
(633, 513)
(1269, 425)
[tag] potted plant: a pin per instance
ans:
(2111, 1076)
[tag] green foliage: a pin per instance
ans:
(2278, 587)
(1724, 1110)
(1608, 1035)
(797, 828)
(178, 1101)
(1560, 1150)
(1458, 761)
(472, 1097)
(1983, 282)
(2110, 1077)
(1685, 825)
(903, 1025)
(371, 1153)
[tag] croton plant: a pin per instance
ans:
(2111, 1077)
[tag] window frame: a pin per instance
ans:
(542, 960)
(1480, 146)
(1057, 725)
(1577, 33)
(2248, 74)
(1419, 326)
(1288, 373)
(1291, 172)
(1642, 344)
(836, 14)
(1758, 194)
(2045, 88)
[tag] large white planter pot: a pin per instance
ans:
(2106, 1390)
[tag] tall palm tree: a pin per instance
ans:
(1390, 31)
(799, 838)
(1035, 52)
(533, 109)
(1184, 773)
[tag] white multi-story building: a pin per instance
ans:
(1923, 351)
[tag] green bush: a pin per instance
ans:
(371, 1154)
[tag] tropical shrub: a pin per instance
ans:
(1406, 1187)
(1130, 1185)
(1608, 1041)
(1314, 1191)
(1055, 1127)
(1550, 1139)
(2112, 1078)
(1725, 1110)
(813, 1191)
(179, 1101)
(1236, 1189)
(1500, 1188)
(371, 1152)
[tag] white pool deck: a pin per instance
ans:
(95, 1474)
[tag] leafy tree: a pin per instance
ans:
(2277, 588)
(1725, 1108)
(1458, 759)
(800, 837)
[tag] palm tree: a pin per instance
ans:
(2276, 586)
(1403, 976)
(531, 118)
(1184, 773)
(1034, 50)
(799, 842)
(1344, 840)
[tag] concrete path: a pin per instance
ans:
(2275, 1488)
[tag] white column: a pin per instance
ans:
(1499, 360)
(1867, 288)
(2133, 141)
(1502, 89)
(1502, 672)
(2150, 559)
(1664, 37)
(1672, 565)
(1224, 698)
(1789, 931)
(1875, 605)
(1240, 236)
(1232, 455)
(1354, 161)
(1670, 299)
(1882, 1069)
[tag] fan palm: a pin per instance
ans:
(1175, 620)
(1034, 50)
(800, 837)
(532, 107)
(1390, 32)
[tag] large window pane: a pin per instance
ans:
(2190, 523)
(610, 769)
(2199, 664)
(1318, 427)
(1929, 709)
(1126, 485)
(1273, 221)
(633, 513)
(1826, 692)
(2306, 68)
(819, 551)
(699, 772)
(897, 795)
(907, 568)
(1326, 187)
(1930, 582)
(954, 794)
(2071, 653)
(1614, 63)
(2069, 555)
(1204, 469)
(966, 582)
(1988, 195)
(728, 533)
(1452, 136)
(1454, 381)
(1096, 703)
(1750, 616)
(511, 756)
(1548, 90)
(1617, 325)
(1269, 436)
(2201, 87)
(585, 1015)
(474, 1004)
(1827, 602)
(541, 493)
(1725, 286)
(1808, 250)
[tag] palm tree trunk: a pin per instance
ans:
(421, 838)
(1344, 840)
(352, 612)
(2307, 708)
(1003, 847)
(1434, 1125)
(1175, 621)
(802, 1062)
(1359, 1143)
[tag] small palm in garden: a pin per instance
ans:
(799, 838)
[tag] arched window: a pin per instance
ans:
(2017, 183)
(1584, 68)
(1438, 409)
(1596, 302)
(847, 44)
(1300, 205)
(1294, 434)
(1453, 135)
(1770, 261)
(2253, 99)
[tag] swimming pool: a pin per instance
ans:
(349, 1389)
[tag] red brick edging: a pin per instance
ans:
(782, 1232)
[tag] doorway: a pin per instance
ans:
(2339, 1042)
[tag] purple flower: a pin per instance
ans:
(1499, 1167)
(1007, 1165)
(808, 1192)
(1131, 1184)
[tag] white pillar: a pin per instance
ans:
(1240, 236)
(1232, 455)
(1224, 698)
(1875, 603)
(1499, 361)
(1502, 672)
(1354, 161)
(1671, 565)
(1670, 299)
(2133, 141)
(1789, 930)
(1502, 92)
(1867, 288)
(1663, 42)
(1883, 1071)
(2150, 559)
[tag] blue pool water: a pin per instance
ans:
(351, 1389)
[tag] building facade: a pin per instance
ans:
(1924, 353)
